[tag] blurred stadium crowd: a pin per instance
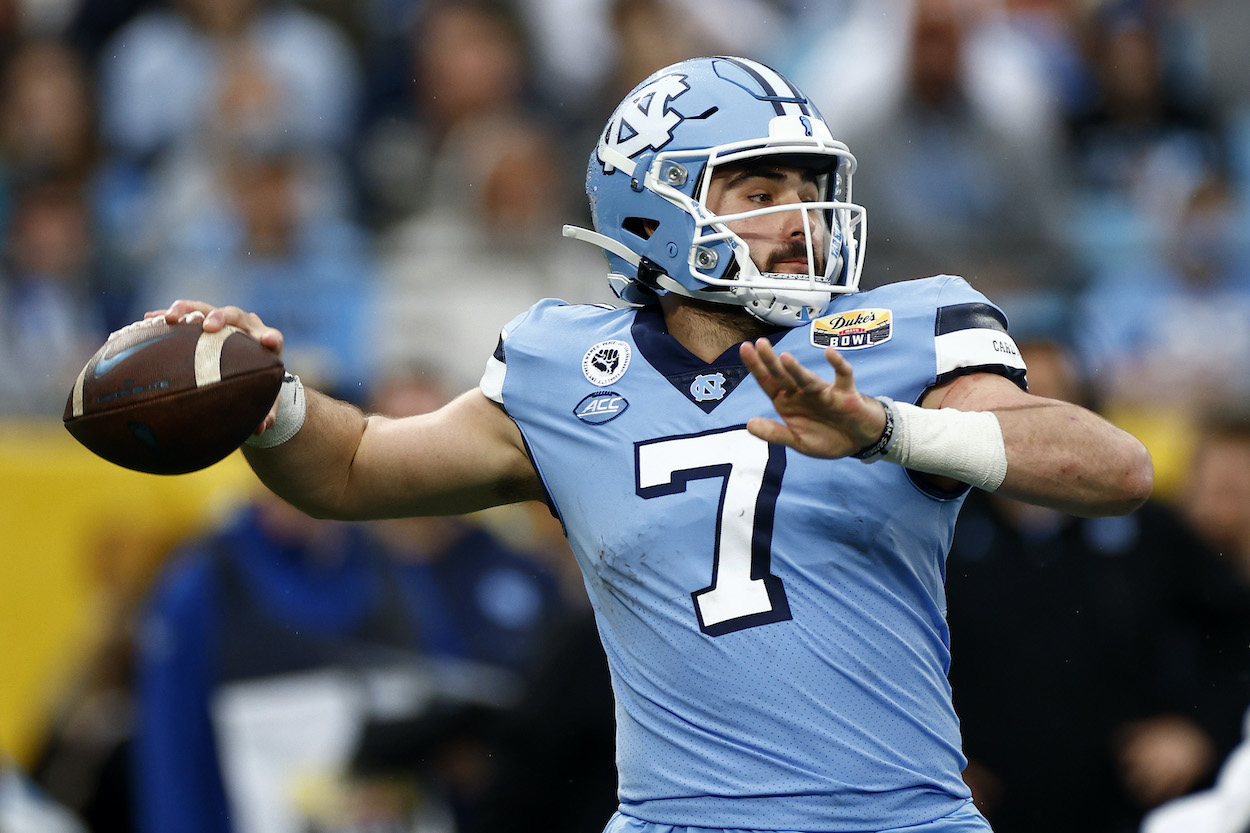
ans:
(385, 181)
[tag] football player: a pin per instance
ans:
(762, 542)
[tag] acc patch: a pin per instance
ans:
(606, 362)
(600, 407)
(853, 330)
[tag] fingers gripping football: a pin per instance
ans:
(215, 319)
(817, 417)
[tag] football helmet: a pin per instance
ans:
(649, 176)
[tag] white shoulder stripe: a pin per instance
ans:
(492, 380)
(975, 348)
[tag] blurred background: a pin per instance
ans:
(385, 181)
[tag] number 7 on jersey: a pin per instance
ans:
(743, 593)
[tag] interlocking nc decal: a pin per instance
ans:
(646, 121)
(708, 387)
(600, 407)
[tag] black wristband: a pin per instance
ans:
(873, 452)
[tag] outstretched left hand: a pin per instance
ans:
(818, 418)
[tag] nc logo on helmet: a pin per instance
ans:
(645, 121)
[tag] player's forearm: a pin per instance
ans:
(344, 465)
(312, 469)
(1066, 457)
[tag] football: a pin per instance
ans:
(170, 398)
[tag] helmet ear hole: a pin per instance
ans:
(640, 226)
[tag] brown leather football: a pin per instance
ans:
(169, 398)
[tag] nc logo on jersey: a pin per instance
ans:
(606, 362)
(645, 121)
(853, 330)
(600, 407)
(708, 387)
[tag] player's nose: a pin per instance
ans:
(799, 222)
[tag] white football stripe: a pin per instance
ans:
(78, 386)
(974, 348)
(208, 355)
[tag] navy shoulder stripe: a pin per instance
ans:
(969, 317)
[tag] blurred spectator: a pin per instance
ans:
(84, 762)
(951, 181)
(1216, 502)
(1216, 497)
(487, 244)
(257, 652)
(161, 73)
(1225, 808)
(50, 323)
(651, 34)
(281, 648)
(1078, 662)
(48, 131)
(1144, 140)
(589, 53)
(47, 117)
(863, 63)
(248, 215)
(1169, 330)
(467, 67)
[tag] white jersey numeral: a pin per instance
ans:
(743, 593)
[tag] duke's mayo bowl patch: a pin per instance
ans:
(853, 330)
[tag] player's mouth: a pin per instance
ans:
(790, 266)
(790, 259)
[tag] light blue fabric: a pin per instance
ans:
(775, 624)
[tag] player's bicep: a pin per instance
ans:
(466, 456)
(978, 392)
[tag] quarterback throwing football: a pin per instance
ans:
(763, 541)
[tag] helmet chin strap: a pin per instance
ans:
(775, 307)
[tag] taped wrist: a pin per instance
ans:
(965, 445)
(292, 408)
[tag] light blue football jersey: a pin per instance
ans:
(774, 623)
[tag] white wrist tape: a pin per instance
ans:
(965, 445)
(292, 408)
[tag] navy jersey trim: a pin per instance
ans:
(1014, 374)
(974, 316)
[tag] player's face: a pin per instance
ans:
(778, 241)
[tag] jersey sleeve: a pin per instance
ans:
(492, 380)
(970, 335)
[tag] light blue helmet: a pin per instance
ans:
(648, 181)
